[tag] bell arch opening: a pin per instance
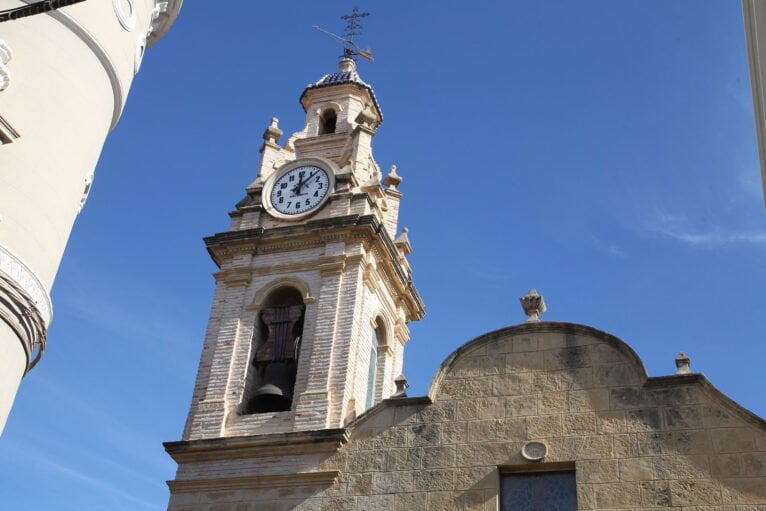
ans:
(328, 120)
(275, 352)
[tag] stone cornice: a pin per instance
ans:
(323, 478)
(311, 145)
(315, 233)
(255, 446)
(234, 276)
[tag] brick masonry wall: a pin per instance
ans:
(636, 443)
(332, 371)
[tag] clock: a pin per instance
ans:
(298, 190)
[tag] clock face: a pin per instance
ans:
(299, 190)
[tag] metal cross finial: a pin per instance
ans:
(353, 27)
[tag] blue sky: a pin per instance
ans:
(602, 152)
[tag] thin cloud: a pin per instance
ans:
(32, 455)
(750, 183)
(717, 238)
(678, 228)
(690, 232)
(114, 430)
(615, 251)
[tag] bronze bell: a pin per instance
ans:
(275, 395)
(276, 360)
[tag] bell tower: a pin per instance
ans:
(309, 319)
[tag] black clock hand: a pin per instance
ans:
(297, 188)
(301, 184)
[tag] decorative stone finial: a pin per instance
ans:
(392, 179)
(366, 118)
(402, 241)
(533, 304)
(683, 364)
(347, 65)
(401, 386)
(272, 133)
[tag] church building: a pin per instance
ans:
(299, 402)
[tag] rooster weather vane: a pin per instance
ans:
(353, 28)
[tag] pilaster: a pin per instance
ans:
(343, 363)
(313, 404)
(210, 411)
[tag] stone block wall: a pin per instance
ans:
(635, 443)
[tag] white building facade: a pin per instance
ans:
(64, 80)
(754, 14)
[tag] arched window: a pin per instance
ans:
(378, 340)
(327, 121)
(277, 342)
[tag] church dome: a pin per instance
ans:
(347, 74)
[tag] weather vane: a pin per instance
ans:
(353, 28)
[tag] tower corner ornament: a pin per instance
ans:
(683, 364)
(534, 305)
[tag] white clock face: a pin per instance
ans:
(299, 190)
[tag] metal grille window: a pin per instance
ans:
(541, 491)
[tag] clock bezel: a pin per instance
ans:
(321, 163)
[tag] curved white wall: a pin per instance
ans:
(13, 361)
(68, 78)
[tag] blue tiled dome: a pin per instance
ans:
(344, 77)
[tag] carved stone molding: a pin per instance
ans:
(19, 312)
(25, 278)
(126, 13)
(87, 185)
(138, 57)
(6, 54)
(235, 276)
(7, 133)
(321, 479)
(255, 446)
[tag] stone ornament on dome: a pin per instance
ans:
(533, 304)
